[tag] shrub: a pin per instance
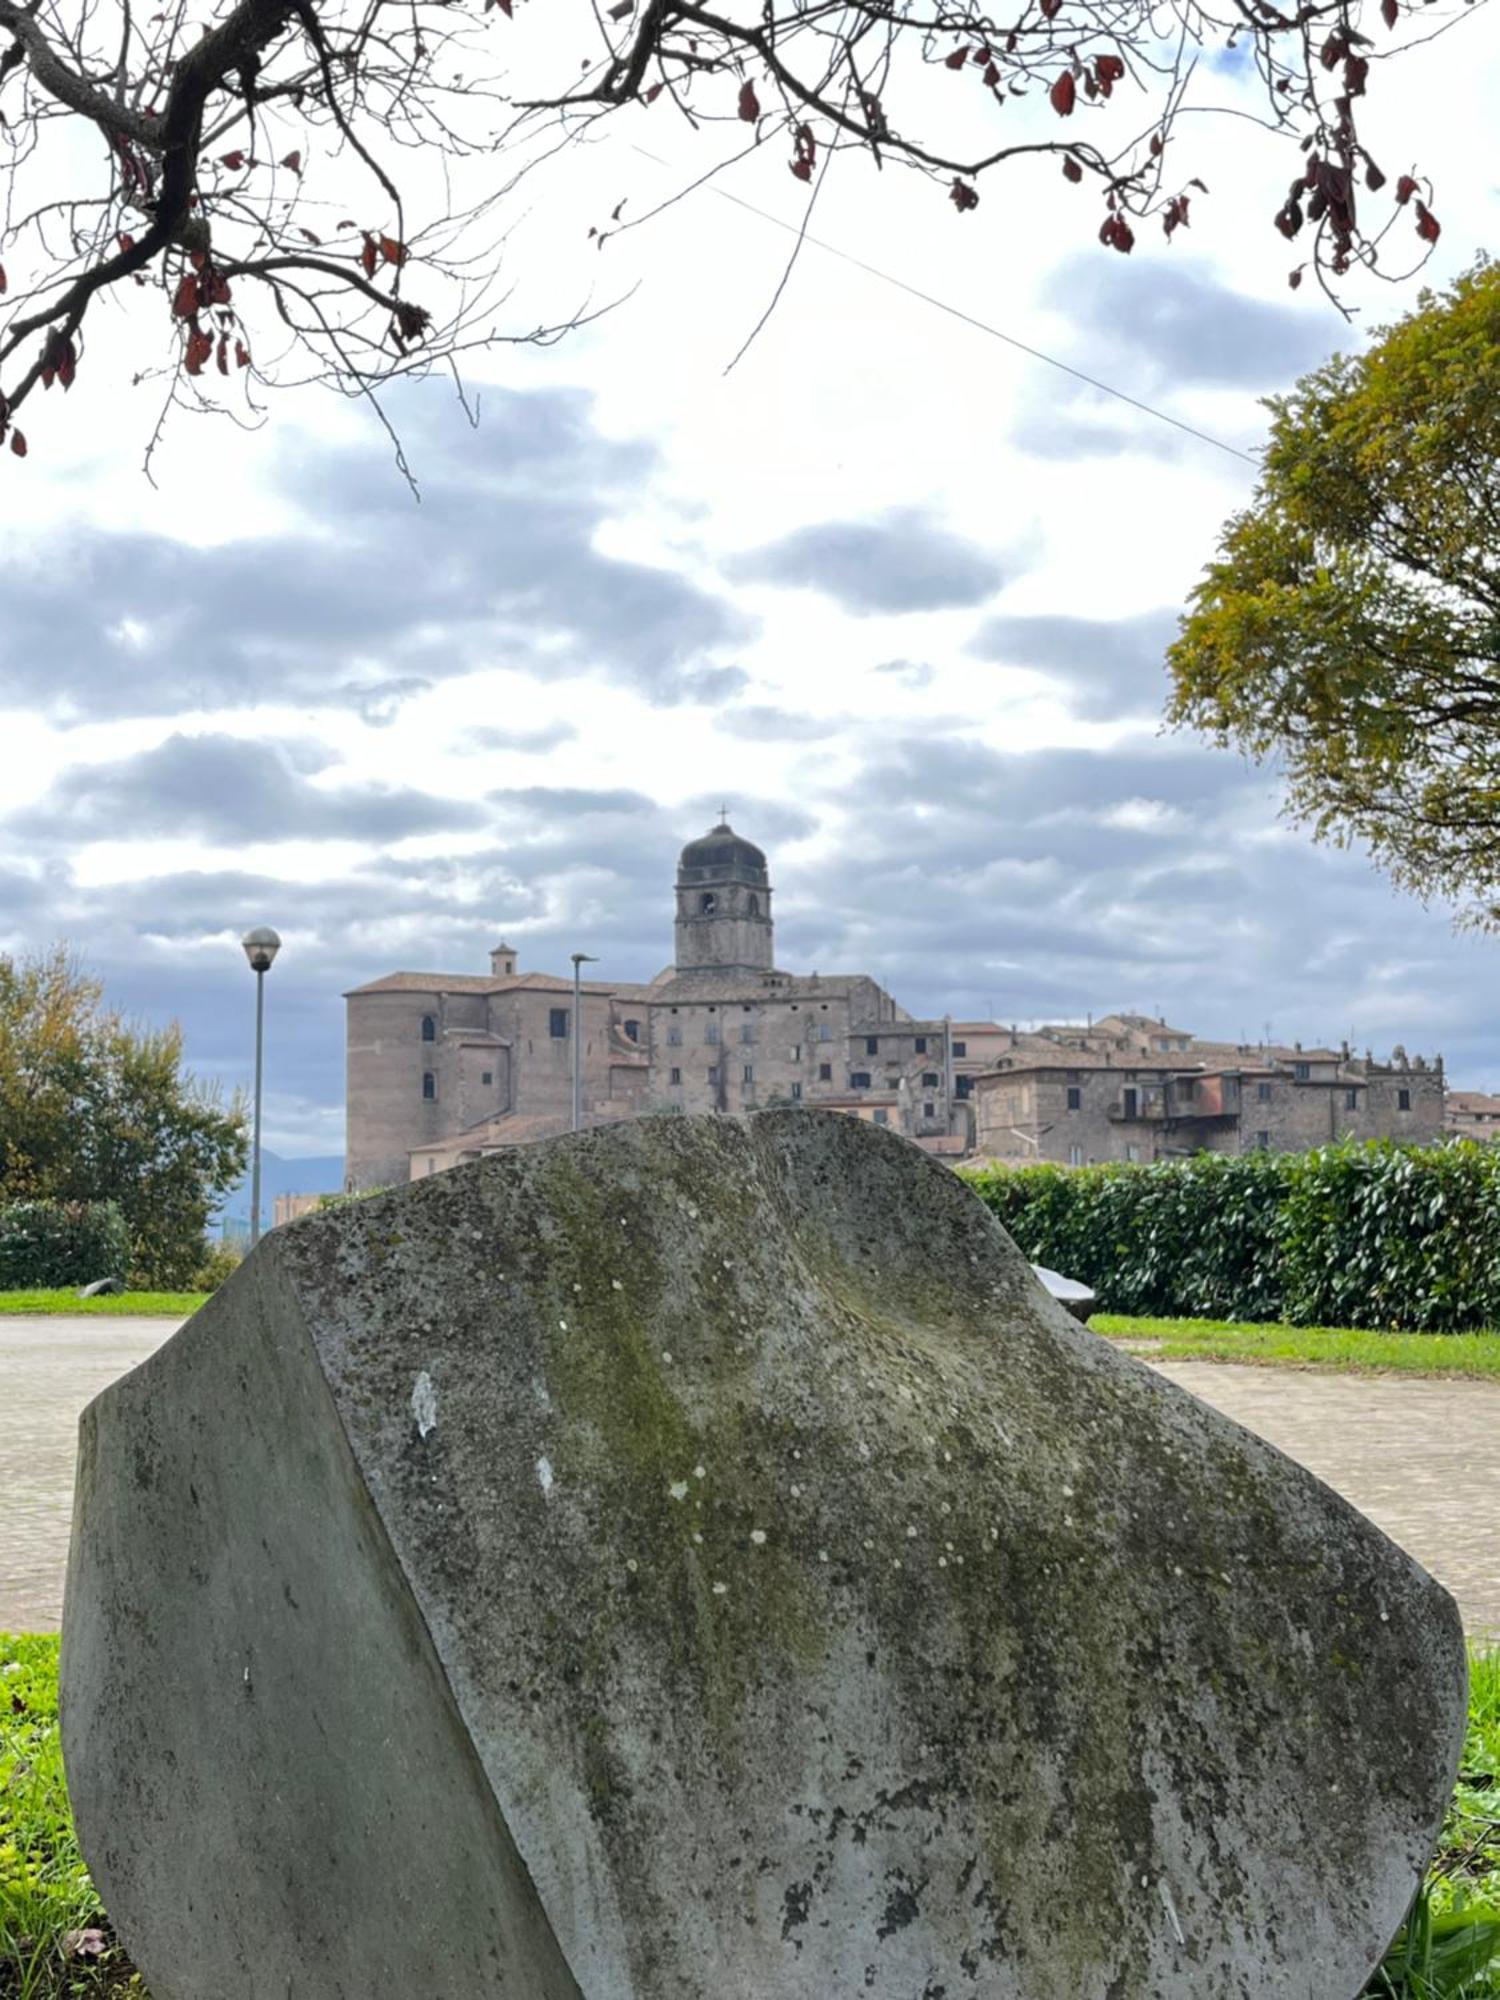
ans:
(45, 1245)
(1376, 1235)
(220, 1262)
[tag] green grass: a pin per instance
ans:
(1468, 1354)
(164, 1305)
(47, 1900)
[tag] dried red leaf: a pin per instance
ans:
(241, 355)
(749, 102)
(125, 240)
(223, 354)
(308, 237)
(1428, 226)
(215, 289)
(1156, 144)
(1390, 12)
(369, 256)
(1071, 169)
(506, 8)
(18, 443)
(185, 303)
(963, 197)
(200, 347)
(620, 11)
(1374, 178)
(1294, 278)
(394, 252)
(957, 60)
(1117, 234)
(1110, 71)
(653, 93)
(1063, 94)
(1356, 70)
(802, 169)
(294, 161)
(1406, 187)
(1051, 8)
(234, 161)
(4, 282)
(991, 75)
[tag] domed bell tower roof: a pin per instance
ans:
(722, 856)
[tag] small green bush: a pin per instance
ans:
(220, 1262)
(1372, 1235)
(47, 1244)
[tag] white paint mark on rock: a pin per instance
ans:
(758, 1536)
(678, 1489)
(544, 1474)
(424, 1404)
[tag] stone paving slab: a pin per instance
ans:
(49, 1369)
(1420, 1456)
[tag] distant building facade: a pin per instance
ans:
(446, 1067)
(1472, 1114)
(1131, 1088)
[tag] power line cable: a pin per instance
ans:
(968, 319)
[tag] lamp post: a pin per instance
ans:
(260, 947)
(580, 959)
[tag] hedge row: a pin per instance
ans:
(48, 1244)
(1376, 1235)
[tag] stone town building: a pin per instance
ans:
(445, 1067)
(1132, 1088)
(1471, 1114)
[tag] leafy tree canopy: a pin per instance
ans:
(1350, 628)
(280, 189)
(95, 1109)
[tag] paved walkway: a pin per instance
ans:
(1420, 1457)
(49, 1368)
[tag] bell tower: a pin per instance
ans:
(723, 905)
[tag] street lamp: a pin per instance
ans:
(580, 959)
(260, 946)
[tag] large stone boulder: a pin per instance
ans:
(697, 1561)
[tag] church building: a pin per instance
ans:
(446, 1067)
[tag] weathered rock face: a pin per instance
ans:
(697, 1561)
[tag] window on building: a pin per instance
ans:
(486, 1078)
(747, 1075)
(1263, 1093)
(429, 1085)
(929, 1079)
(674, 1036)
(825, 1032)
(1262, 1142)
(1403, 1100)
(754, 905)
(1075, 1156)
(1132, 1154)
(632, 1031)
(708, 903)
(1302, 1071)
(960, 1048)
(1130, 1103)
(921, 1045)
(557, 1024)
(825, 1072)
(1351, 1100)
(429, 1028)
(713, 1072)
(747, 1031)
(796, 1052)
(1075, 1097)
(796, 1092)
(675, 1076)
(872, 1045)
(1071, 1076)
(882, 1117)
(711, 1031)
(859, 1079)
(962, 1086)
(929, 1111)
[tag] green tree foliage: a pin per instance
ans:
(1375, 1235)
(93, 1108)
(1350, 627)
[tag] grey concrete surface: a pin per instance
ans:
(703, 1551)
(49, 1369)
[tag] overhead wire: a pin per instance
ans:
(967, 318)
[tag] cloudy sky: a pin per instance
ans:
(890, 586)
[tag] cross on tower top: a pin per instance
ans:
(724, 814)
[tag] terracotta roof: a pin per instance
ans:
(474, 982)
(1025, 1061)
(1472, 1101)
